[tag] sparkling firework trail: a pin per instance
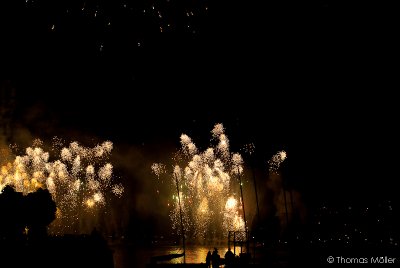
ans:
(158, 169)
(80, 179)
(206, 187)
(276, 160)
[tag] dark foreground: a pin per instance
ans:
(282, 255)
(89, 251)
(65, 251)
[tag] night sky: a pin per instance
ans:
(314, 78)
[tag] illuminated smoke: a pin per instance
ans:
(287, 201)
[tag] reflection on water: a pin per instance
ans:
(126, 256)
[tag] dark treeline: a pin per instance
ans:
(25, 215)
(24, 241)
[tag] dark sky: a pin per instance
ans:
(316, 79)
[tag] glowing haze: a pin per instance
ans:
(206, 180)
(79, 180)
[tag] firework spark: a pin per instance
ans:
(249, 148)
(205, 186)
(158, 169)
(276, 160)
(81, 177)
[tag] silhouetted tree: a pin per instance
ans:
(34, 211)
(12, 221)
(40, 211)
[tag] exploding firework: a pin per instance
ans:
(78, 181)
(158, 169)
(276, 160)
(206, 185)
(249, 148)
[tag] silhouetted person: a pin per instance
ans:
(208, 259)
(95, 233)
(215, 258)
(229, 257)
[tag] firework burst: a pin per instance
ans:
(276, 160)
(205, 182)
(78, 181)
